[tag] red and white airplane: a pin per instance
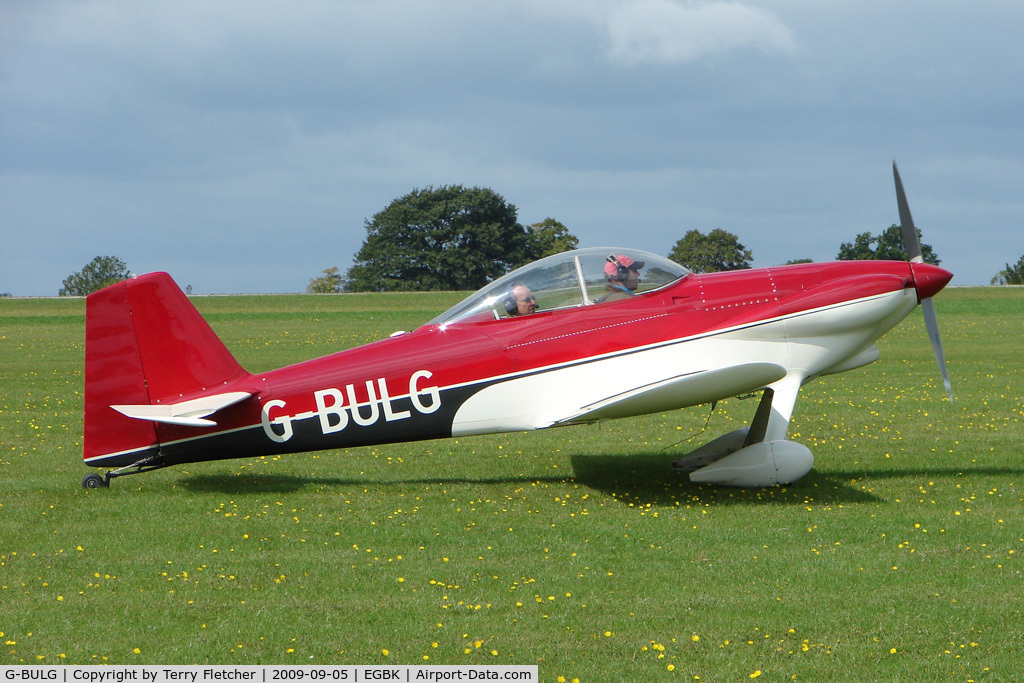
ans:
(617, 332)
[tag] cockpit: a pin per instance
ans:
(574, 278)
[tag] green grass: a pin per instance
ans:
(899, 557)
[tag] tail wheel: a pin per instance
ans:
(94, 481)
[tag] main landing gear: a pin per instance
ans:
(754, 456)
(102, 481)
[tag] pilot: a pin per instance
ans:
(520, 300)
(623, 276)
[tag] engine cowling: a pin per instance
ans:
(767, 463)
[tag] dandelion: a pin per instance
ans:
(385, 652)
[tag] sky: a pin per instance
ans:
(242, 145)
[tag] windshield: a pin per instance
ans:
(572, 278)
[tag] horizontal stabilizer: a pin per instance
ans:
(681, 391)
(187, 413)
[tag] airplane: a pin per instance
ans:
(613, 333)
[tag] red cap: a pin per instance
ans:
(612, 264)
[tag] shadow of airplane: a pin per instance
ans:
(648, 479)
(639, 479)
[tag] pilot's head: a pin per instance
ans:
(520, 300)
(620, 269)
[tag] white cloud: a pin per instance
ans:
(668, 31)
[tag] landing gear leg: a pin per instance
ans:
(96, 481)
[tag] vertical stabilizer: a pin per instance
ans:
(145, 343)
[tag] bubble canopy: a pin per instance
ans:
(566, 280)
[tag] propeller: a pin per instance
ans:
(913, 246)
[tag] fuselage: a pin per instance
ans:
(481, 375)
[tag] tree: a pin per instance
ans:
(718, 250)
(99, 273)
(449, 238)
(331, 282)
(889, 247)
(552, 237)
(1013, 275)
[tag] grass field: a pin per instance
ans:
(898, 558)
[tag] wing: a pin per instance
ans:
(679, 392)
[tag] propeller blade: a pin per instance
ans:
(913, 246)
(931, 324)
(910, 241)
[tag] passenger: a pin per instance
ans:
(520, 300)
(623, 276)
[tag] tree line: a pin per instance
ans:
(454, 238)
(457, 238)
